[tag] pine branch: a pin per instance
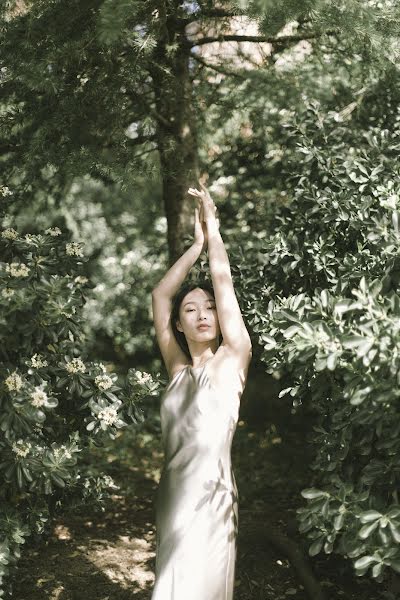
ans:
(137, 141)
(217, 68)
(284, 39)
(147, 151)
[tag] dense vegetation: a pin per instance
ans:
(109, 111)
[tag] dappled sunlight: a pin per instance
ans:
(125, 561)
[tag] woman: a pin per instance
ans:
(196, 507)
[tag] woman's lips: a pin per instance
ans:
(201, 327)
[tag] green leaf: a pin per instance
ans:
(291, 331)
(365, 561)
(352, 341)
(338, 521)
(332, 361)
(370, 515)
(395, 532)
(367, 530)
(316, 546)
(311, 493)
(377, 569)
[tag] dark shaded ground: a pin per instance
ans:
(110, 555)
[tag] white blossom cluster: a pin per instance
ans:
(109, 482)
(81, 279)
(75, 366)
(17, 269)
(9, 234)
(7, 293)
(67, 314)
(5, 191)
(14, 382)
(103, 382)
(142, 377)
(39, 397)
(109, 415)
(73, 249)
(21, 448)
(61, 452)
(38, 362)
(54, 231)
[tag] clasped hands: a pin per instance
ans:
(204, 215)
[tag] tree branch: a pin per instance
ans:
(284, 39)
(217, 68)
(145, 152)
(137, 141)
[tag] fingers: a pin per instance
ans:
(201, 196)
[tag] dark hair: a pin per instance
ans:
(176, 304)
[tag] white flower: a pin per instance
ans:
(109, 415)
(39, 397)
(54, 231)
(21, 449)
(81, 279)
(101, 366)
(61, 452)
(73, 249)
(14, 381)
(29, 237)
(109, 482)
(142, 377)
(7, 293)
(67, 453)
(37, 361)
(9, 234)
(67, 314)
(103, 382)
(17, 269)
(5, 191)
(75, 366)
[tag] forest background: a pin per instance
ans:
(110, 110)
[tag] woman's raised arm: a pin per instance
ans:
(163, 294)
(230, 319)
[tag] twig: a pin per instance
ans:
(217, 68)
(284, 39)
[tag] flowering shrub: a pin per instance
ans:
(54, 401)
(328, 320)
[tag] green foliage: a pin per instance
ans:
(328, 320)
(371, 28)
(55, 403)
(125, 259)
(69, 97)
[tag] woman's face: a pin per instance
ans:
(198, 308)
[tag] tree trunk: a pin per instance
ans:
(176, 135)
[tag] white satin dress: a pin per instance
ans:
(197, 498)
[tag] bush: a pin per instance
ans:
(55, 403)
(328, 320)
